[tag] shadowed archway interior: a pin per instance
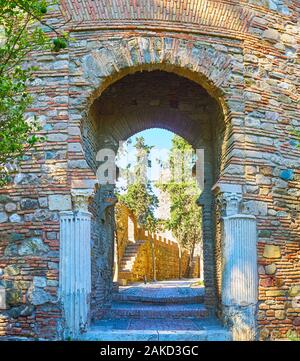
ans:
(140, 101)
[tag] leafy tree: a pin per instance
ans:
(22, 30)
(183, 191)
(139, 197)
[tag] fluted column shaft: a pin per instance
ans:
(75, 266)
(239, 283)
(239, 278)
(75, 269)
(239, 263)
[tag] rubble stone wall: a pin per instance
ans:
(245, 53)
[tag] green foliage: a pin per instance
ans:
(297, 133)
(185, 219)
(58, 44)
(21, 32)
(292, 335)
(139, 197)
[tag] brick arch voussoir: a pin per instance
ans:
(196, 61)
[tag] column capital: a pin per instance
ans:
(229, 198)
(3, 305)
(230, 203)
(81, 199)
(220, 187)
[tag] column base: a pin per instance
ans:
(241, 321)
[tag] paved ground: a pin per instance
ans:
(191, 324)
(157, 330)
(165, 311)
(177, 290)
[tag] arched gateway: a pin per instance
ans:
(127, 70)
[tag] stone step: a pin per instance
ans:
(151, 335)
(157, 299)
(157, 330)
(125, 268)
(125, 274)
(127, 259)
(138, 310)
(133, 246)
(128, 255)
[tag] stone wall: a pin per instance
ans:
(164, 100)
(246, 57)
(166, 253)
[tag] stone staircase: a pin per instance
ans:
(141, 310)
(128, 259)
(163, 314)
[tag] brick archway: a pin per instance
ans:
(245, 56)
(159, 99)
(105, 66)
(98, 67)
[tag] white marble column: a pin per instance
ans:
(239, 266)
(2, 298)
(75, 264)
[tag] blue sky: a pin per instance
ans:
(160, 139)
(157, 137)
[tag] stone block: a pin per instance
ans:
(74, 131)
(294, 291)
(271, 35)
(3, 217)
(4, 198)
(13, 296)
(11, 250)
(77, 163)
(296, 302)
(266, 170)
(266, 282)
(51, 235)
(280, 314)
(74, 147)
(32, 246)
(10, 207)
(275, 293)
(43, 202)
(38, 296)
(256, 208)
(264, 334)
(296, 321)
(41, 215)
(12, 270)
(265, 233)
(29, 204)
(251, 96)
(58, 137)
(53, 265)
(23, 310)
(40, 281)
(250, 170)
(15, 218)
(262, 180)
(272, 251)
(270, 269)
(60, 202)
